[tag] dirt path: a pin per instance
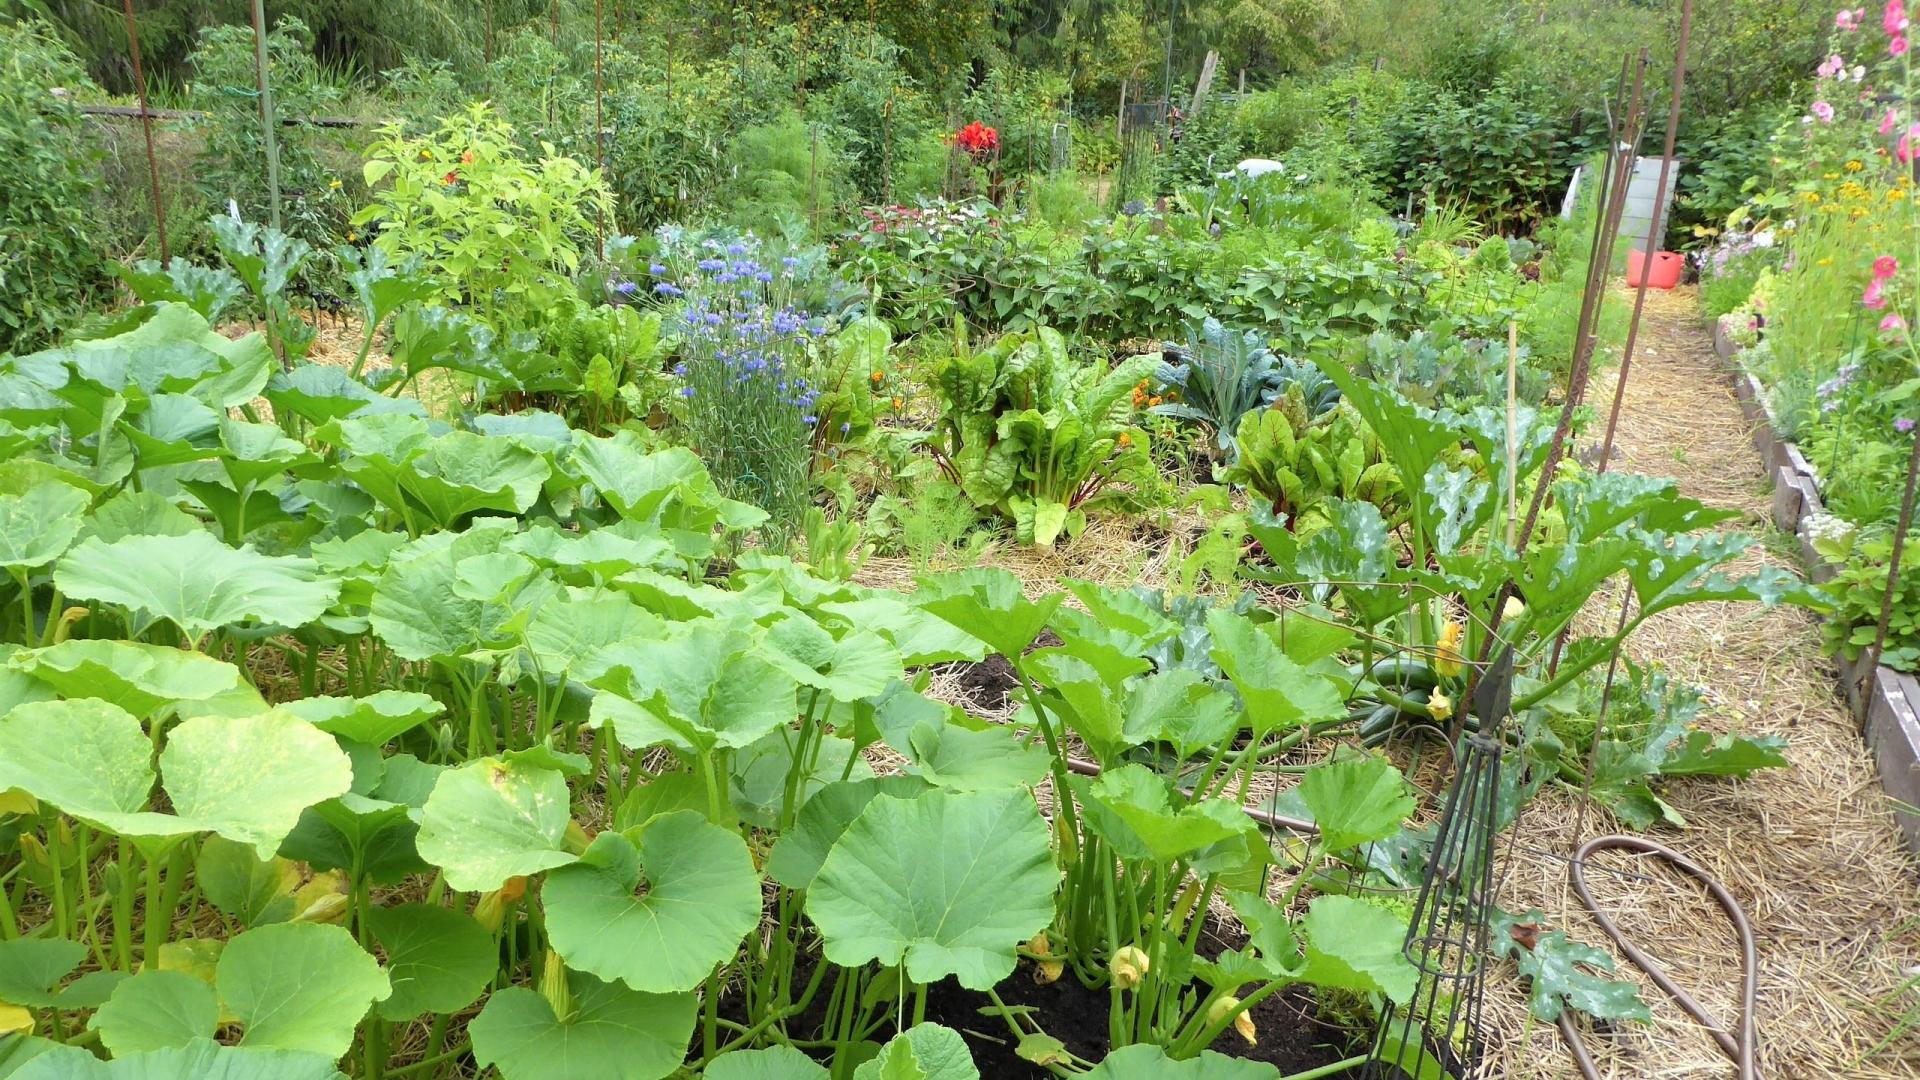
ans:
(1811, 851)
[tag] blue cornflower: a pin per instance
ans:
(712, 265)
(686, 391)
(736, 248)
(725, 277)
(657, 269)
(668, 288)
(680, 370)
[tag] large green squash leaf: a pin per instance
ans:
(1354, 945)
(248, 778)
(493, 819)
(773, 1063)
(438, 960)
(201, 1059)
(699, 897)
(947, 883)
(146, 680)
(1131, 809)
(613, 1034)
(1356, 800)
(31, 969)
(195, 582)
(157, 1010)
(1152, 1063)
(374, 720)
(88, 758)
(989, 604)
(37, 527)
(298, 986)
(1279, 693)
(922, 1052)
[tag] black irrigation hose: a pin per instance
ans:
(1742, 1048)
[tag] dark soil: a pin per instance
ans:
(1292, 1038)
(988, 684)
(1292, 1035)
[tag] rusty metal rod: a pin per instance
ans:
(146, 123)
(1653, 228)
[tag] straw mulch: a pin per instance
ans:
(1811, 852)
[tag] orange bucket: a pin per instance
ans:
(1665, 274)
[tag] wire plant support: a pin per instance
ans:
(1448, 939)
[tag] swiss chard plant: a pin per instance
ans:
(1034, 435)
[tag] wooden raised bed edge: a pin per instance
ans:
(1887, 702)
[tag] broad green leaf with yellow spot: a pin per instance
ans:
(699, 895)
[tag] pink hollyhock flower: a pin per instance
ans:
(1875, 297)
(1843, 20)
(1892, 324)
(1898, 46)
(1824, 111)
(1887, 122)
(1905, 149)
(1831, 67)
(1885, 267)
(1894, 18)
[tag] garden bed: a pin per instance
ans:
(1886, 701)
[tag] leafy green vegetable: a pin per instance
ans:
(946, 883)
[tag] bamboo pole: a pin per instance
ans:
(268, 128)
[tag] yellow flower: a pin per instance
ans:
(1439, 706)
(1242, 1022)
(1812, 196)
(1827, 261)
(1855, 165)
(1046, 970)
(1896, 194)
(1129, 965)
(334, 184)
(1447, 659)
(1830, 176)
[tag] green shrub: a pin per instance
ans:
(1063, 201)
(785, 174)
(1273, 121)
(48, 265)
